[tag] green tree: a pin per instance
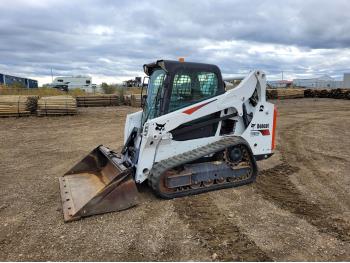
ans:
(108, 89)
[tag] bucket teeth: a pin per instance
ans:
(98, 184)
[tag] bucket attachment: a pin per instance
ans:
(100, 183)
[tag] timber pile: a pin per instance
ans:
(17, 106)
(98, 101)
(57, 105)
(284, 93)
(127, 100)
(290, 93)
(135, 100)
(328, 93)
(271, 94)
(32, 103)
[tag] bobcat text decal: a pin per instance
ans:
(263, 128)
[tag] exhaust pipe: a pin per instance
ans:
(98, 184)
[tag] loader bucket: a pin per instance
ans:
(98, 184)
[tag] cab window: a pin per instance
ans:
(192, 87)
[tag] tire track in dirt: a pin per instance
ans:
(215, 232)
(295, 150)
(137, 250)
(275, 186)
(294, 147)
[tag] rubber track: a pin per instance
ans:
(164, 165)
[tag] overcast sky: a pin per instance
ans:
(111, 40)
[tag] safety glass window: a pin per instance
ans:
(191, 87)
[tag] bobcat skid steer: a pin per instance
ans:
(191, 137)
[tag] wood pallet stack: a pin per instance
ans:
(290, 93)
(127, 100)
(135, 100)
(340, 94)
(271, 94)
(328, 93)
(285, 93)
(98, 101)
(57, 105)
(32, 103)
(14, 106)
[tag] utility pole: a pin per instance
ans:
(51, 75)
(282, 75)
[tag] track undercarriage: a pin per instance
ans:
(231, 163)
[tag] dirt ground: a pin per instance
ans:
(298, 210)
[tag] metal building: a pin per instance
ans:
(279, 83)
(318, 82)
(346, 82)
(10, 80)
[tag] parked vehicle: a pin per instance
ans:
(73, 82)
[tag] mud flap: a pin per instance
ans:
(98, 184)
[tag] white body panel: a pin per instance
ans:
(156, 145)
(132, 120)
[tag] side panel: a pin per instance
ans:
(32, 84)
(9, 80)
(259, 133)
(132, 120)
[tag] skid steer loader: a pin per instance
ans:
(191, 137)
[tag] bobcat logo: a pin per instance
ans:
(160, 127)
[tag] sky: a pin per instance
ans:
(110, 40)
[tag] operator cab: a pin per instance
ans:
(174, 85)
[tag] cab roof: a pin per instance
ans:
(173, 66)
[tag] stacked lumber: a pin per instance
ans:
(14, 106)
(271, 94)
(290, 93)
(340, 94)
(328, 93)
(127, 100)
(57, 105)
(32, 103)
(308, 93)
(135, 100)
(284, 93)
(98, 101)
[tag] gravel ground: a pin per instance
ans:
(298, 210)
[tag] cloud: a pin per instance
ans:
(113, 39)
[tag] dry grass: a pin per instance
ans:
(4, 90)
(133, 90)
